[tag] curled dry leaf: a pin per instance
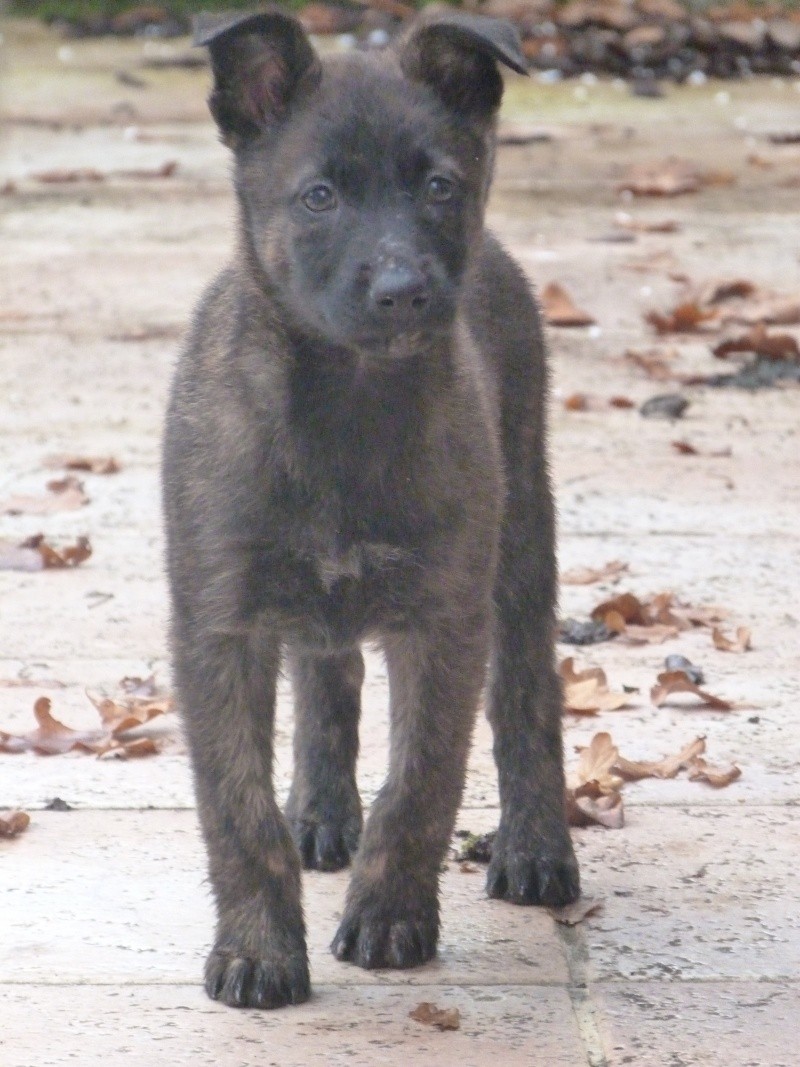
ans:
(632, 225)
(740, 643)
(610, 571)
(592, 796)
(441, 1018)
(13, 823)
(757, 340)
(653, 362)
(64, 494)
(668, 767)
(653, 620)
(572, 914)
(666, 177)
(560, 309)
(590, 402)
(686, 448)
(670, 683)
(90, 464)
(586, 692)
(53, 737)
(687, 317)
(35, 554)
(719, 777)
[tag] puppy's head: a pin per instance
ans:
(362, 178)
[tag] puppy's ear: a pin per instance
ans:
(456, 55)
(258, 61)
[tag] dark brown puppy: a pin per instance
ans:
(355, 451)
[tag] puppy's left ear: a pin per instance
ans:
(456, 55)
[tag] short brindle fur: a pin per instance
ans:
(355, 451)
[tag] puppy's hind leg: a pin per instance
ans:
(324, 808)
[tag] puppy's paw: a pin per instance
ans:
(538, 872)
(372, 938)
(245, 982)
(326, 845)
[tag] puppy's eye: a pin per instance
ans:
(439, 189)
(319, 198)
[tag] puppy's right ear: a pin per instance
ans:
(259, 62)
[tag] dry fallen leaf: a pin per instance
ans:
(441, 1018)
(65, 494)
(741, 643)
(632, 225)
(590, 402)
(35, 554)
(719, 777)
(668, 767)
(686, 448)
(589, 575)
(560, 309)
(13, 823)
(90, 464)
(761, 343)
(580, 909)
(653, 362)
(588, 805)
(687, 317)
(53, 737)
(586, 692)
(670, 683)
(666, 177)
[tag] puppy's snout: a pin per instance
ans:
(399, 288)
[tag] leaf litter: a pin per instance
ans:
(89, 464)
(64, 494)
(586, 692)
(440, 1018)
(116, 736)
(36, 553)
(13, 823)
(560, 309)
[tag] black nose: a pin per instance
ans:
(399, 289)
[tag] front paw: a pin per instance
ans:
(525, 869)
(248, 982)
(375, 935)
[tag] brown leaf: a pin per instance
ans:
(627, 222)
(684, 318)
(731, 289)
(589, 402)
(559, 308)
(52, 737)
(65, 494)
(686, 448)
(13, 823)
(119, 717)
(626, 606)
(761, 343)
(116, 719)
(653, 363)
(668, 767)
(580, 909)
(719, 777)
(71, 556)
(588, 806)
(91, 464)
(588, 575)
(441, 1018)
(667, 177)
(586, 692)
(77, 174)
(595, 764)
(671, 682)
(741, 643)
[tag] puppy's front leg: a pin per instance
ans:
(227, 686)
(391, 916)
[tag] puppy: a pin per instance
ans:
(355, 452)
